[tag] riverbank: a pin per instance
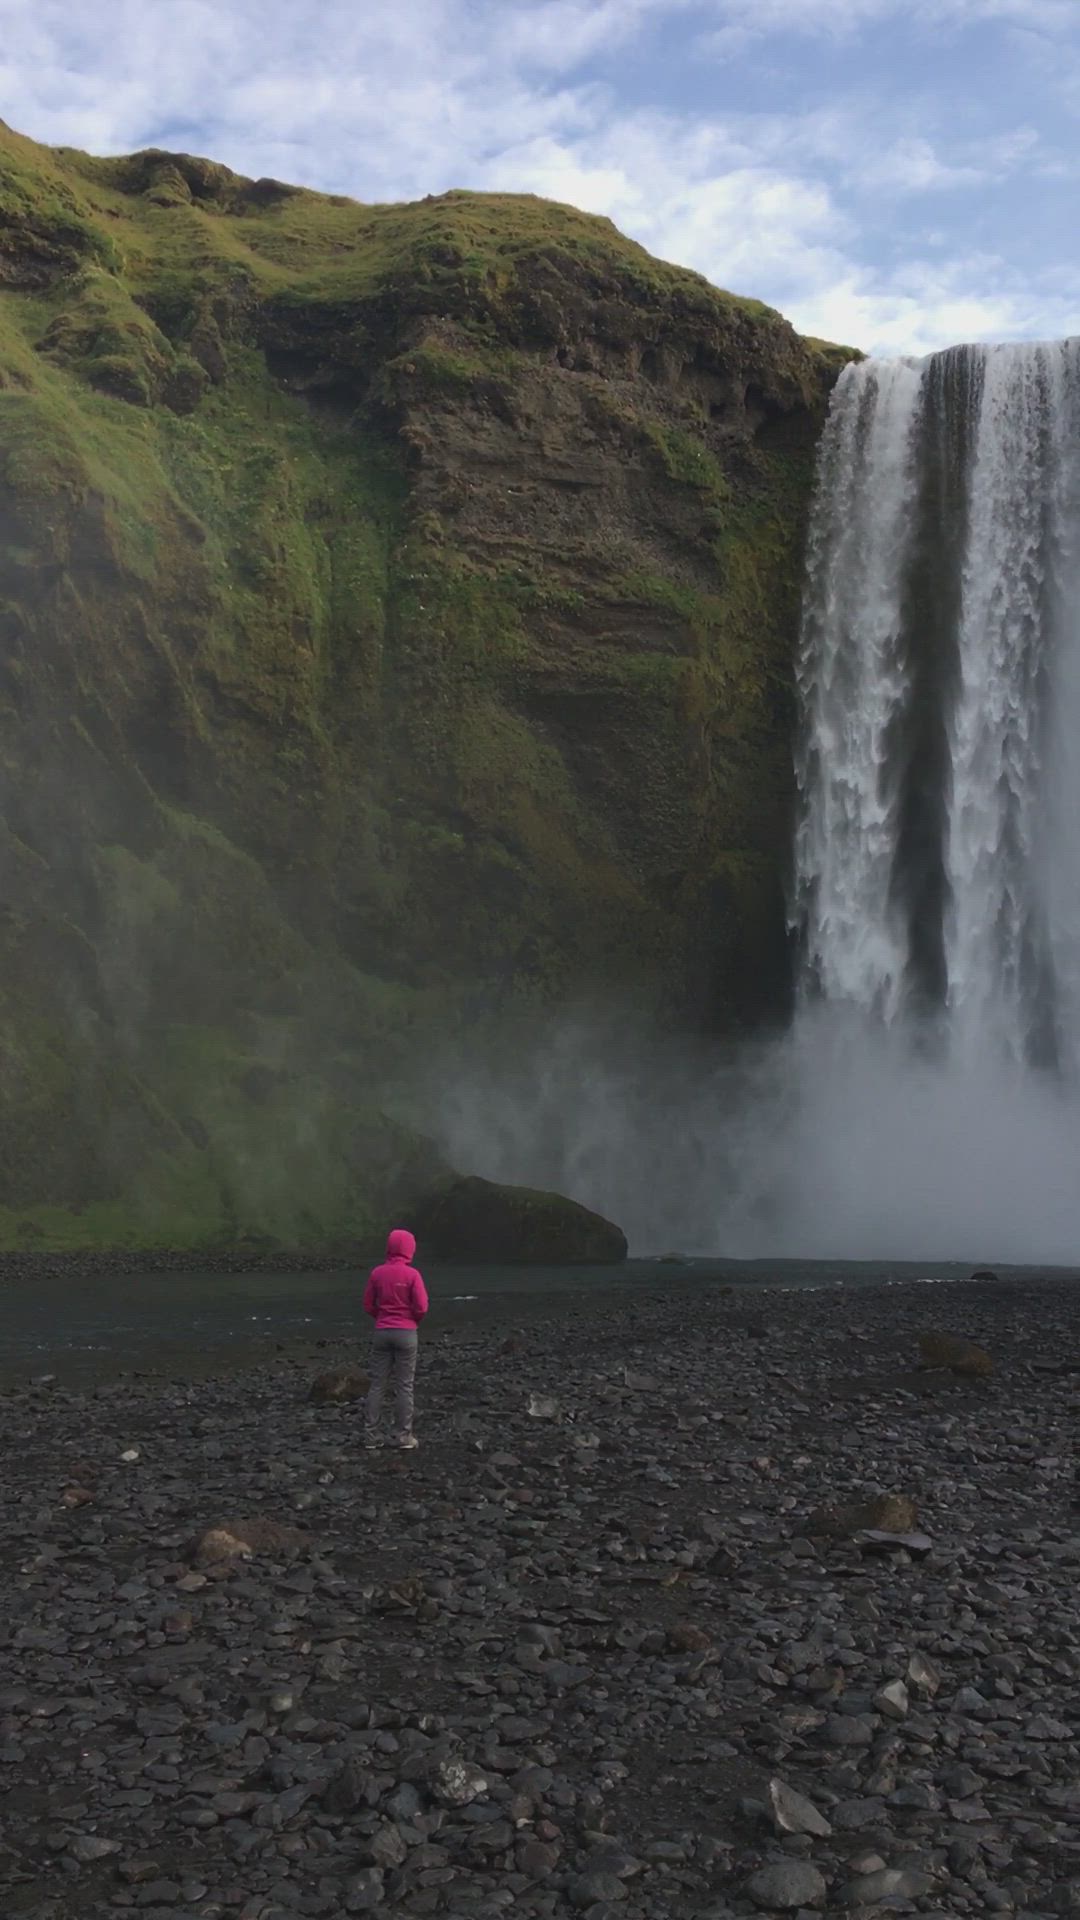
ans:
(556, 1661)
(91, 1263)
(86, 1327)
(90, 1324)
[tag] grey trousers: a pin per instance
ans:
(393, 1358)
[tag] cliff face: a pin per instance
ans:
(396, 618)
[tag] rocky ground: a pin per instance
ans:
(580, 1655)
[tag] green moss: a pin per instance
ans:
(697, 608)
(832, 356)
(542, 593)
(436, 368)
(452, 616)
(107, 340)
(137, 893)
(688, 461)
(38, 199)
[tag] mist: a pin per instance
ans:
(836, 1140)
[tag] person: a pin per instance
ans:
(396, 1298)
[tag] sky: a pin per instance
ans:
(896, 174)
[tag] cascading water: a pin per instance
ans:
(934, 1065)
(935, 877)
(925, 1102)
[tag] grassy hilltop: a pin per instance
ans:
(396, 618)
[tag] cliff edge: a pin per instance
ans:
(397, 607)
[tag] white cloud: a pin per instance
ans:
(387, 102)
(913, 166)
(783, 236)
(840, 19)
(929, 309)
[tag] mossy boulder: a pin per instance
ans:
(233, 1540)
(951, 1351)
(337, 1385)
(479, 1222)
(886, 1513)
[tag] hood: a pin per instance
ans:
(400, 1245)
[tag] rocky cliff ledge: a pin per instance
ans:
(396, 617)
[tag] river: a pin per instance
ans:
(199, 1322)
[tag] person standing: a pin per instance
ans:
(396, 1298)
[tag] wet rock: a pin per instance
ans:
(89, 1848)
(457, 1783)
(923, 1676)
(793, 1813)
(878, 1541)
(851, 1729)
(537, 1859)
(347, 1790)
(591, 1889)
(364, 1892)
(387, 1848)
(787, 1885)
(892, 1700)
(889, 1883)
(720, 1564)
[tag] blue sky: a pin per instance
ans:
(896, 175)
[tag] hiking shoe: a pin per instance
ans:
(372, 1446)
(408, 1443)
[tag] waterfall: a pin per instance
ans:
(925, 1100)
(937, 876)
(929, 1092)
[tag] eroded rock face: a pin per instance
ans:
(477, 1220)
(427, 652)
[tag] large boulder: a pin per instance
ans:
(477, 1220)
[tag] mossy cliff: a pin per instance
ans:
(396, 618)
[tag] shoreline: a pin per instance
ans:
(558, 1658)
(96, 1262)
(140, 1324)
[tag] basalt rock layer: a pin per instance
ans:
(396, 619)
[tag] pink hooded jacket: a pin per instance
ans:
(395, 1295)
